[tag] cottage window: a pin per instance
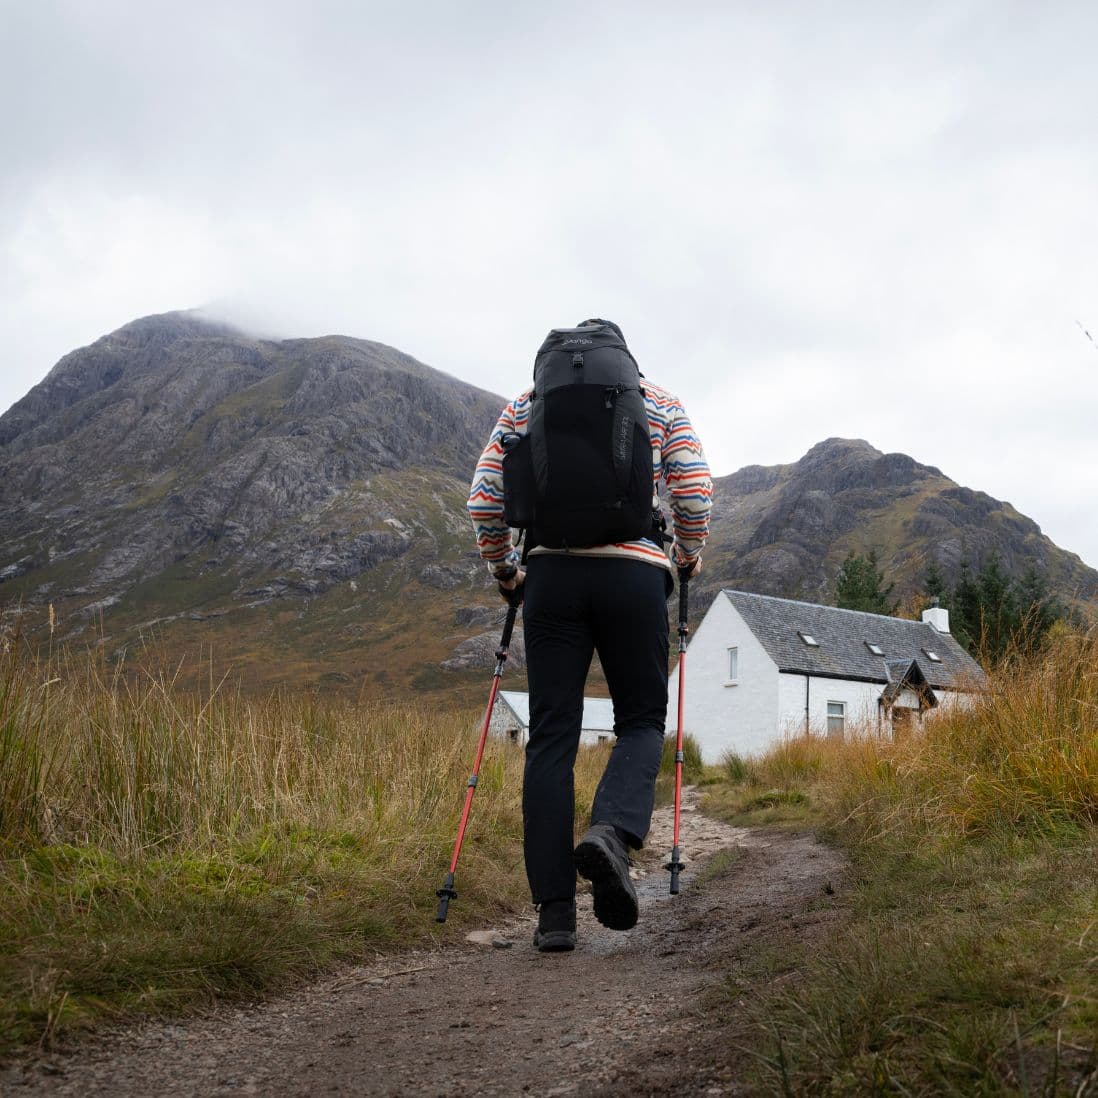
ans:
(604, 737)
(733, 665)
(874, 648)
(932, 656)
(836, 719)
(809, 640)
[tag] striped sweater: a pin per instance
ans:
(677, 460)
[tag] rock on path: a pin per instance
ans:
(621, 1015)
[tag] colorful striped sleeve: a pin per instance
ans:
(689, 484)
(485, 504)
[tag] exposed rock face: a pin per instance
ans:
(784, 530)
(479, 653)
(174, 437)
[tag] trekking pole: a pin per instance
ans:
(446, 893)
(675, 865)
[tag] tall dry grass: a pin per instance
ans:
(124, 760)
(147, 832)
(131, 764)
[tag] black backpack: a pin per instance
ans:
(582, 474)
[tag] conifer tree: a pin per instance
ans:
(1001, 621)
(1039, 609)
(860, 585)
(965, 609)
(992, 613)
(934, 582)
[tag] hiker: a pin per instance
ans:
(610, 597)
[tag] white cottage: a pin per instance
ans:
(511, 718)
(760, 668)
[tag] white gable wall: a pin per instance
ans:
(506, 723)
(950, 699)
(720, 716)
(860, 699)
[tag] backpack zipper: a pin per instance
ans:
(610, 393)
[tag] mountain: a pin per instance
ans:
(295, 510)
(785, 529)
(294, 505)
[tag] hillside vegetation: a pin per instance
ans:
(969, 964)
(159, 848)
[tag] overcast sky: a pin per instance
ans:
(867, 220)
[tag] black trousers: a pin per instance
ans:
(573, 607)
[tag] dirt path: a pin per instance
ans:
(621, 1015)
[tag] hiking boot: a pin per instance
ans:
(601, 857)
(556, 932)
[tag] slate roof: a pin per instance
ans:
(842, 652)
(598, 713)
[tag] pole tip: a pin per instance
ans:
(675, 866)
(445, 894)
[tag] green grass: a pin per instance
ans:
(957, 974)
(969, 961)
(773, 793)
(717, 865)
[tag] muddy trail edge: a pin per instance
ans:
(623, 1014)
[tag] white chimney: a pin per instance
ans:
(937, 617)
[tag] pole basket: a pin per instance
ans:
(676, 866)
(445, 894)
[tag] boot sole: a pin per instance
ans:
(615, 900)
(555, 941)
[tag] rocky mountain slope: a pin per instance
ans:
(307, 495)
(295, 510)
(785, 529)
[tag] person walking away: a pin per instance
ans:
(609, 598)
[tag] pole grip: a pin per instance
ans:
(684, 598)
(509, 621)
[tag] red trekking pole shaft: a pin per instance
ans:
(675, 865)
(446, 893)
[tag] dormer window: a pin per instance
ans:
(808, 639)
(932, 656)
(875, 649)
